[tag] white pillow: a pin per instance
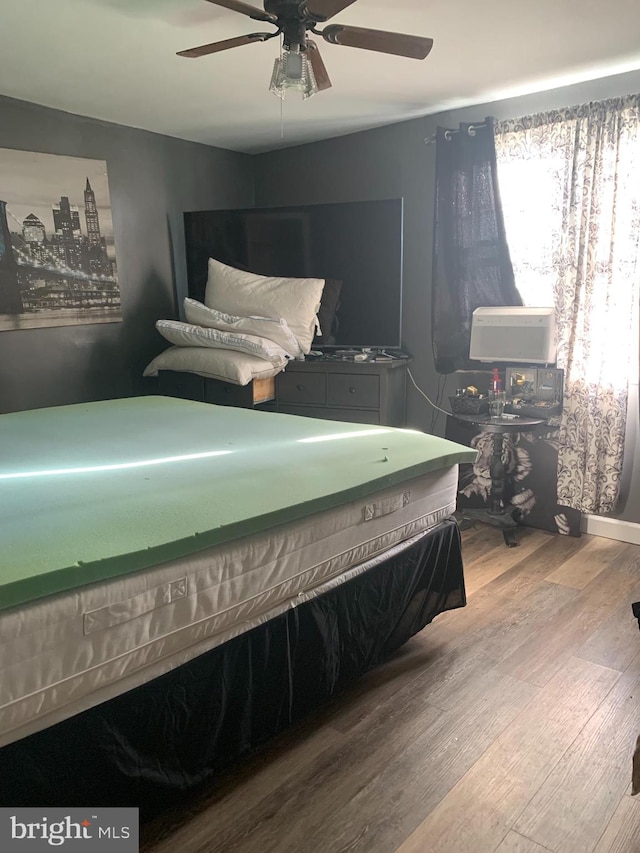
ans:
(276, 330)
(296, 300)
(186, 335)
(227, 365)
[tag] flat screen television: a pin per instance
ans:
(356, 243)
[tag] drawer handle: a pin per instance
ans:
(300, 387)
(352, 390)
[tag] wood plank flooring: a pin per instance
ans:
(504, 727)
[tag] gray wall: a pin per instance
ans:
(152, 180)
(394, 161)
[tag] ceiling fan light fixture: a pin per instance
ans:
(300, 66)
(293, 71)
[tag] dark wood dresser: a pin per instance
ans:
(191, 386)
(369, 392)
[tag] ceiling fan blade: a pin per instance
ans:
(318, 66)
(245, 9)
(325, 9)
(217, 46)
(399, 44)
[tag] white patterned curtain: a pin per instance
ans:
(570, 185)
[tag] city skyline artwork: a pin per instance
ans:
(57, 253)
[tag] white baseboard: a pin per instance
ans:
(611, 528)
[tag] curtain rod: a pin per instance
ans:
(471, 131)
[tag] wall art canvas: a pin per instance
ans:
(57, 253)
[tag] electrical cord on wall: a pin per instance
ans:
(426, 397)
(442, 381)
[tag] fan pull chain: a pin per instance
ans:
(281, 118)
(281, 99)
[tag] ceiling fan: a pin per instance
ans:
(301, 66)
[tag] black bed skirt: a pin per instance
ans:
(167, 737)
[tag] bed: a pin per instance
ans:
(180, 581)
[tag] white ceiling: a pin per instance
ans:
(115, 60)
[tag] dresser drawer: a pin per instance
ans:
(353, 389)
(174, 383)
(301, 387)
(228, 394)
(354, 416)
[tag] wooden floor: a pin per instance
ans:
(506, 726)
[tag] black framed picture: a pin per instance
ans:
(57, 252)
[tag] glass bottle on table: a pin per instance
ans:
(497, 395)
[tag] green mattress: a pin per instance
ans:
(92, 491)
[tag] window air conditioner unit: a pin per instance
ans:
(513, 334)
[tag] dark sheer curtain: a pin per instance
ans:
(471, 263)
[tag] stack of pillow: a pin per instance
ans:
(248, 327)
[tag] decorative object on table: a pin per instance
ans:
(468, 401)
(496, 380)
(496, 395)
(57, 254)
(534, 392)
(497, 400)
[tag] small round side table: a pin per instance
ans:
(505, 517)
